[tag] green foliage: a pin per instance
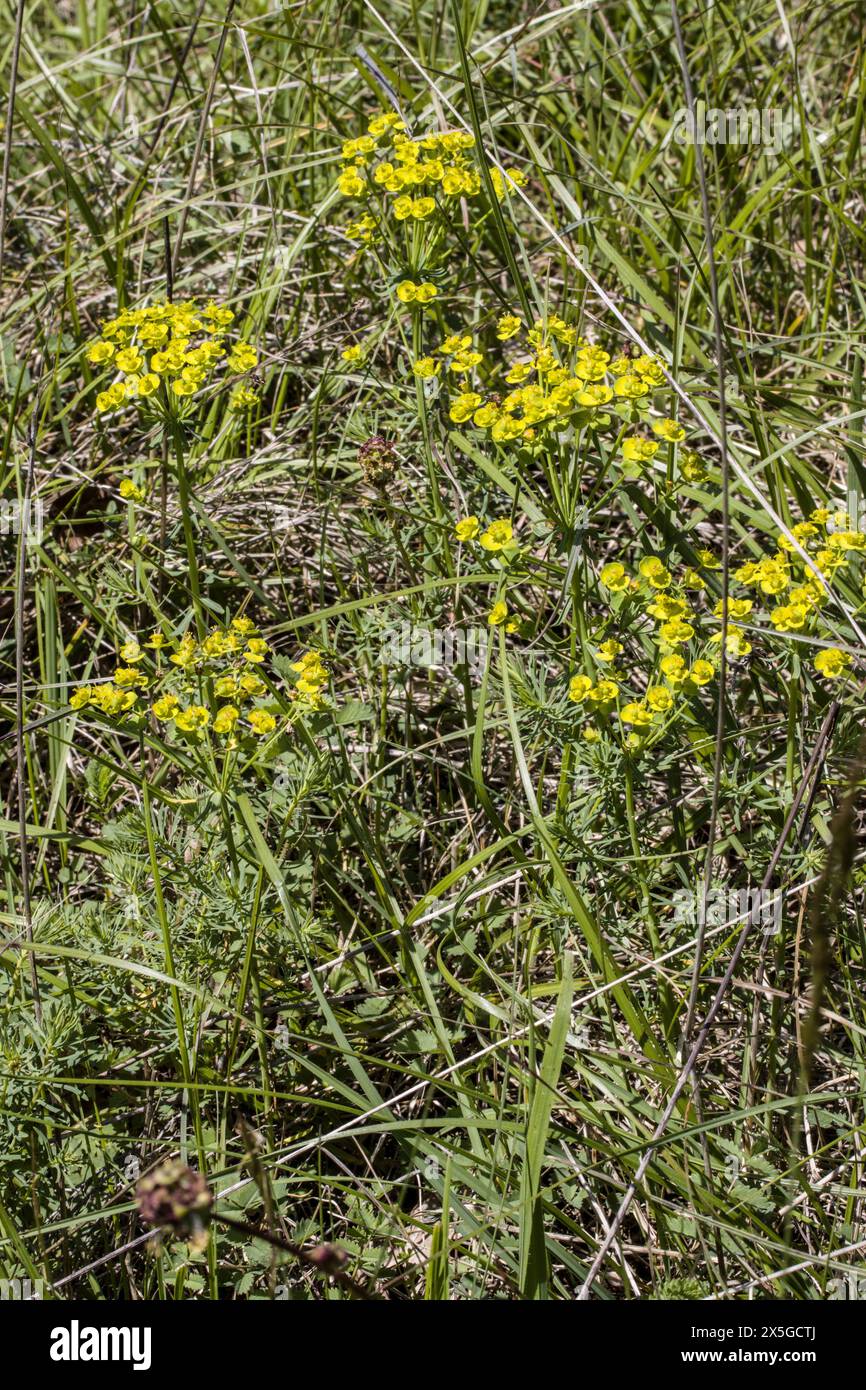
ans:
(404, 970)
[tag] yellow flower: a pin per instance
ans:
(659, 699)
(498, 535)
(243, 358)
(126, 676)
(847, 540)
(609, 650)
(216, 644)
(498, 613)
(594, 394)
(252, 686)
(501, 179)
(669, 430)
(243, 397)
(673, 668)
(638, 450)
(614, 577)
(156, 642)
(507, 326)
(789, 617)
(708, 560)
(186, 654)
(803, 532)
(463, 406)
(830, 560)
(676, 631)
(631, 386)
(100, 352)
(166, 707)
(737, 608)
(129, 360)
(410, 293)
(130, 492)
(184, 388)
(256, 651)
(353, 353)
(701, 672)
(225, 719)
(691, 467)
(150, 335)
(112, 398)
(634, 713)
(350, 184)
(425, 367)
(111, 700)
(226, 687)
(261, 722)
(578, 688)
(665, 607)
(603, 693)
(313, 676)
(774, 578)
(505, 428)
(192, 718)
(464, 362)
(81, 696)
(131, 651)
(831, 663)
(467, 529)
(653, 570)
(454, 343)
(736, 644)
(388, 120)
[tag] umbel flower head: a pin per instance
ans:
(412, 180)
(175, 1196)
(309, 689)
(554, 380)
(226, 661)
(378, 458)
(165, 353)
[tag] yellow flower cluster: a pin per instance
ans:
(794, 583)
(220, 667)
(658, 701)
(783, 582)
(497, 539)
(499, 535)
(663, 597)
(558, 380)
(309, 689)
(414, 176)
(165, 353)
